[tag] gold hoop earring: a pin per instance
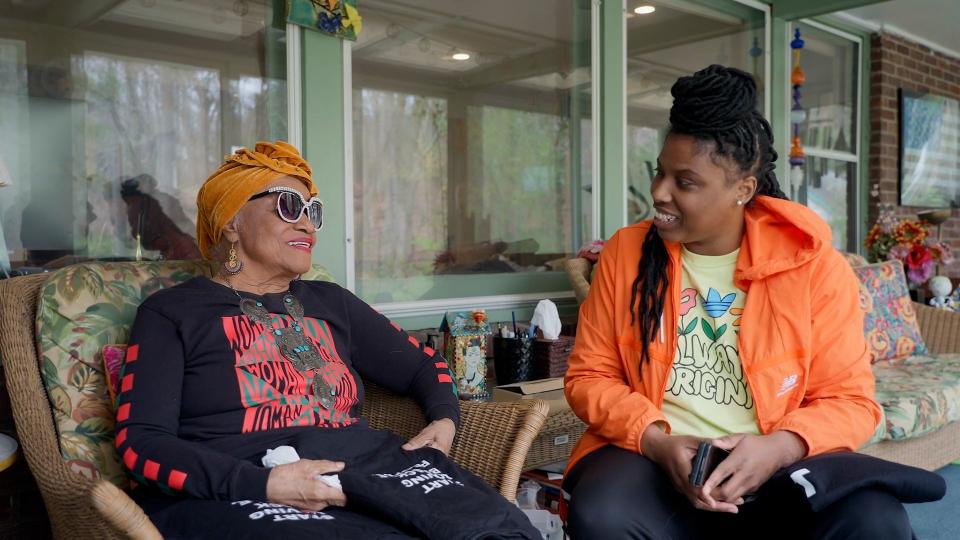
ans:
(233, 266)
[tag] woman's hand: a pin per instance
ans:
(674, 454)
(752, 461)
(438, 434)
(296, 484)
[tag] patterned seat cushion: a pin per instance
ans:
(919, 394)
(82, 308)
(890, 321)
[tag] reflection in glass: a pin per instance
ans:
(829, 91)
(829, 192)
(829, 132)
(477, 163)
(678, 39)
(113, 118)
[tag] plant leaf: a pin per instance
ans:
(721, 330)
(690, 326)
(708, 330)
(96, 428)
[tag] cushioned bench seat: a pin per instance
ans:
(919, 394)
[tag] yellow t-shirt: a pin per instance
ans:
(707, 394)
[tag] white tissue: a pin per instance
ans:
(331, 480)
(280, 455)
(547, 319)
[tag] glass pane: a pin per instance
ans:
(829, 92)
(112, 118)
(677, 39)
(472, 142)
(829, 191)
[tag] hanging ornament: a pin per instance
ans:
(797, 117)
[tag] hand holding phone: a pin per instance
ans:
(706, 460)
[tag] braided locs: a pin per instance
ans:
(714, 105)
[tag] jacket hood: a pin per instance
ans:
(779, 235)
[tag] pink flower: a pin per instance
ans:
(898, 252)
(920, 274)
(591, 250)
(941, 251)
(688, 299)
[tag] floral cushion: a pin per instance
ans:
(83, 308)
(919, 394)
(890, 323)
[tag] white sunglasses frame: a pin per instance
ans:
(305, 202)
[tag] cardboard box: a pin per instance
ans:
(549, 390)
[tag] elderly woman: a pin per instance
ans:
(220, 370)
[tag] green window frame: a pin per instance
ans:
(326, 88)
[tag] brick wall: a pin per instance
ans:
(898, 63)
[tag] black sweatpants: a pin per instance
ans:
(617, 494)
(391, 494)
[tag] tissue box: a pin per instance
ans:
(550, 356)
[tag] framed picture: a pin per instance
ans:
(929, 151)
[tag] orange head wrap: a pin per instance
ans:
(243, 175)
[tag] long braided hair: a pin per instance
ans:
(715, 105)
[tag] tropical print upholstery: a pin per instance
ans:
(919, 394)
(890, 321)
(83, 308)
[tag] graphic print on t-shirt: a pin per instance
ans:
(708, 362)
(274, 393)
(707, 394)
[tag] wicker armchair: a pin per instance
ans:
(578, 272)
(493, 439)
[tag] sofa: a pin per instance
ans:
(53, 329)
(919, 393)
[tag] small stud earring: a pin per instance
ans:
(233, 266)
(739, 202)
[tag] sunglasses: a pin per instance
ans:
(291, 205)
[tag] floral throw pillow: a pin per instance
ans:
(890, 322)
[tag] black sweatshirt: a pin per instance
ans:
(205, 391)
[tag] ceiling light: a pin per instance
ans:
(461, 56)
(644, 10)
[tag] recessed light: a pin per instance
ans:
(461, 56)
(644, 10)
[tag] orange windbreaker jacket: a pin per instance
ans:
(801, 338)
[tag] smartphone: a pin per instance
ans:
(707, 458)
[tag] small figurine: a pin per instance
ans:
(940, 288)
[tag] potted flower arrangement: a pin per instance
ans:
(909, 241)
